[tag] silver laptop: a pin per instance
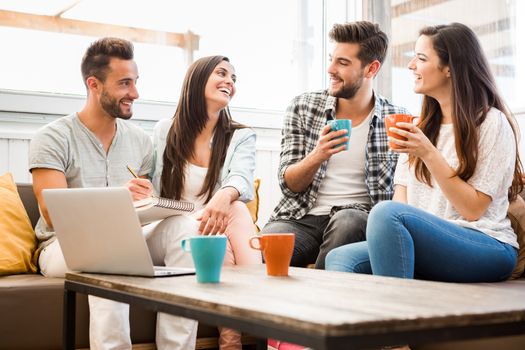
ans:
(99, 231)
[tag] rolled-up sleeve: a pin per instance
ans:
(292, 144)
(401, 174)
(240, 169)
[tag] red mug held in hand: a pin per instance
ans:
(390, 121)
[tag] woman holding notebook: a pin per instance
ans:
(204, 157)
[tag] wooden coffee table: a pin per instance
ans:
(319, 309)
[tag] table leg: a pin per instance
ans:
(68, 335)
(261, 344)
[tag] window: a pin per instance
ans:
(494, 21)
(277, 47)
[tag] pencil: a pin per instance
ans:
(132, 172)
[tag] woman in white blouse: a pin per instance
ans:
(457, 171)
(203, 156)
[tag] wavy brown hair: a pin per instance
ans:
(373, 42)
(189, 121)
(474, 93)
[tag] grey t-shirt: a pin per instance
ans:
(69, 146)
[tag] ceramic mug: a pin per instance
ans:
(390, 121)
(277, 249)
(208, 256)
(340, 124)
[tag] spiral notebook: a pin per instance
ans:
(158, 208)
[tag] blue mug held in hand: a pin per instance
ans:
(340, 124)
(208, 256)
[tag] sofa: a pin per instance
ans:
(31, 308)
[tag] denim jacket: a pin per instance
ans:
(239, 164)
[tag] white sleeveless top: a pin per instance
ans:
(193, 181)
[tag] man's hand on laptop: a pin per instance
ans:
(140, 188)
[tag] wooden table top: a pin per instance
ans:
(329, 303)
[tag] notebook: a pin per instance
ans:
(155, 208)
(99, 231)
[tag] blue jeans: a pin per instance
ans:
(403, 241)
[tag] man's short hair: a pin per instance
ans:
(373, 42)
(96, 59)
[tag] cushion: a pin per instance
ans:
(517, 218)
(17, 238)
(253, 206)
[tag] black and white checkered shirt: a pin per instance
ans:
(305, 118)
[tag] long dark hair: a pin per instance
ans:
(189, 121)
(474, 93)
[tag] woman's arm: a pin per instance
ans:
(400, 194)
(239, 167)
(469, 203)
(237, 182)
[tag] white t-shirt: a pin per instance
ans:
(493, 176)
(344, 181)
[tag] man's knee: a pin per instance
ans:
(51, 261)
(306, 246)
(279, 227)
(349, 217)
(348, 222)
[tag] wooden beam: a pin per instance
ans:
(77, 27)
(412, 6)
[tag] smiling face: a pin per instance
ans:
(346, 71)
(119, 89)
(220, 87)
(431, 77)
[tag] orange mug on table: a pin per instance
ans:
(277, 249)
(390, 121)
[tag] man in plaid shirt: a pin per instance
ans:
(328, 191)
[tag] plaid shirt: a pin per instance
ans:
(304, 120)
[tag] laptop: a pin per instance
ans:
(99, 231)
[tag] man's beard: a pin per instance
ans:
(112, 106)
(348, 92)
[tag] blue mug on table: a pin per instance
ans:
(208, 255)
(340, 124)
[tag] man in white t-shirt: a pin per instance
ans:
(327, 190)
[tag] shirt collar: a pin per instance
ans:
(331, 104)
(330, 107)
